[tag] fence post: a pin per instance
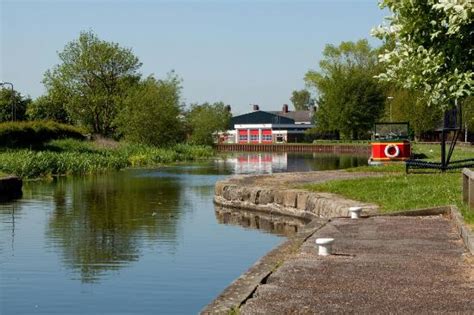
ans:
(468, 187)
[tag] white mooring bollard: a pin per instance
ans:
(325, 246)
(355, 212)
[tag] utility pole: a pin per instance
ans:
(2, 83)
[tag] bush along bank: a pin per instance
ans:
(35, 133)
(73, 157)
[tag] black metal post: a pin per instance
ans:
(443, 150)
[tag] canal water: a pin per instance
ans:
(135, 241)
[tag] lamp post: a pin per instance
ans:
(390, 98)
(2, 83)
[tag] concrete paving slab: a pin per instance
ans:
(380, 265)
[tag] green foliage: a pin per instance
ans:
(73, 157)
(33, 164)
(46, 107)
(206, 119)
(70, 145)
(433, 50)
(301, 100)
(351, 100)
(406, 105)
(468, 113)
(35, 133)
(92, 78)
(151, 113)
(12, 103)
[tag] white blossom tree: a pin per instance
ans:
(430, 48)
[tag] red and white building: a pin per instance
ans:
(269, 126)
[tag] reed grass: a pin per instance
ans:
(73, 157)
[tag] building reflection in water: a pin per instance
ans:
(269, 163)
(256, 163)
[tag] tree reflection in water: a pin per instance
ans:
(102, 222)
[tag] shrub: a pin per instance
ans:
(70, 145)
(35, 133)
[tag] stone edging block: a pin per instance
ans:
(293, 202)
(464, 231)
(243, 287)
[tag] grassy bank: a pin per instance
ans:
(426, 152)
(73, 157)
(397, 191)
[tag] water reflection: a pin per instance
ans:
(280, 225)
(142, 238)
(268, 163)
(8, 217)
(101, 222)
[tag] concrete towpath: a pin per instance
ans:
(286, 180)
(381, 265)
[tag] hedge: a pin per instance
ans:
(35, 133)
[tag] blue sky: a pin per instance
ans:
(239, 52)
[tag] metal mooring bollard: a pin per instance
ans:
(325, 246)
(355, 212)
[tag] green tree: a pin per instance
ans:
(47, 108)
(468, 115)
(433, 50)
(406, 105)
(151, 112)
(301, 99)
(206, 119)
(12, 104)
(91, 80)
(350, 98)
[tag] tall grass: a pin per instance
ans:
(73, 157)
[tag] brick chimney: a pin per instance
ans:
(255, 108)
(285, 108)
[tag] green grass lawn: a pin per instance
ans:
(433, 151)
(398, 191)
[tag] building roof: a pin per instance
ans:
(260, 117)
(298, 116)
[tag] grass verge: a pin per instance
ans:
(396, 192)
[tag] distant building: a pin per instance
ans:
(269, 126)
